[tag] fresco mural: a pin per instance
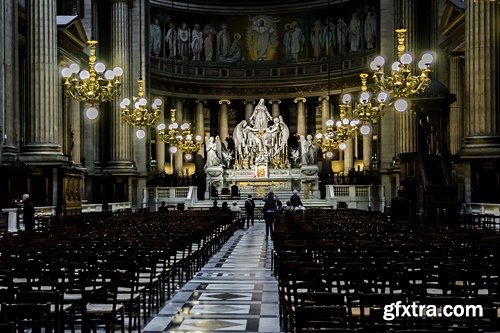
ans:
(339, 30)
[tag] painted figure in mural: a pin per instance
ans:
(341, 35)
(196, 41)
(183, 43)
(171, 39)
(214, 151)
(308, 150)
(370, 30)
(287, 42)
(354, 32)
(235, 50)
(155, 38)
(265, 32)
(208, 42)
(297, 40)
(316, 38)
(329, 40)
(260, 116)
(223, 42)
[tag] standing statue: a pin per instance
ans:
(155, 38)
(308, 150)
(171, 39)
(214, 151)
(196, 41)
(284, 134)
(370, 30)
(260, 116)
(354, 32)
(316, 38)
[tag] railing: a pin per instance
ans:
(365, 197)
(173, 196)
(91, 208)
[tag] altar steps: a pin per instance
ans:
(308, 203)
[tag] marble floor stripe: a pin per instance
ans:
(234, 292)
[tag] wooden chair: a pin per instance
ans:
(53, 298)
(100, 301)
(28, 316)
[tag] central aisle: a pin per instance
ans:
(234, 292)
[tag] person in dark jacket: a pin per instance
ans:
(295, 199)
(271, 206)
(28, 213)
(249, 209)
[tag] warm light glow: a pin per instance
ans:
(188, 156)
(365, 129)
(92, 113)
(401, 105)
(140, 134)
(342, 146)
(173, 149)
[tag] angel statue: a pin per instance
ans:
(214, 152)
(308, 150)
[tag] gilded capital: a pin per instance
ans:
(222, 101)
(299, 99)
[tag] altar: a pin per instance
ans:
(261, 160)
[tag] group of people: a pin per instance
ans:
(336, 36)
(272, 206)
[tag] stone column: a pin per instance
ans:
(200, 123)
(160, 145)
(301, 115)
(121, 134)
(43, 119)
(9, 93)
(482, 70)
(74, 113)
(325, 112)
(224, 120)
(456, 124)
(179, 156)
(367, 151)
(406, 122)
(249, 109)
(275, 107)
(387, 128)
(348, 156)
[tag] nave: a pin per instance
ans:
(234, 292)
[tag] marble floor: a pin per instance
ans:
(234, 292)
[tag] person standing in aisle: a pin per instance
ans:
(249, 210)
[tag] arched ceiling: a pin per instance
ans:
(247, 7)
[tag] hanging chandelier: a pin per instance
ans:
(367, 112)
(140, 115)
(338, 132)
(179, 136)
(95, 85)
(401, 83)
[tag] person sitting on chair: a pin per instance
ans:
(163, 208)
(295, 199)
(214, 208)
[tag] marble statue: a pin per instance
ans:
(308, 150)
(260, 116)
(214, 152)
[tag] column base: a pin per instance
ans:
(481, 146)
(120, 168)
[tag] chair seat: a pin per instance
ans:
(95, 308)
(126, 297)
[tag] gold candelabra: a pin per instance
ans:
(365, 110)
(179, 136)
(337, 133)
(401, 83)
(95, 85)
(139, 114)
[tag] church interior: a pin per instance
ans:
(125, 124)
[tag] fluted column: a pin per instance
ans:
(200, 123)
(406, 122)
(43, 119)
(301, 115)
(456, 125)
(367, 151)
(482, 70)
(74, 114)
(275, 107)
(348, 156)
(9, 93)
(224, 120)
(249, 109)
(121, 133)
(179, 156)
(160, 145)
(325, 112)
